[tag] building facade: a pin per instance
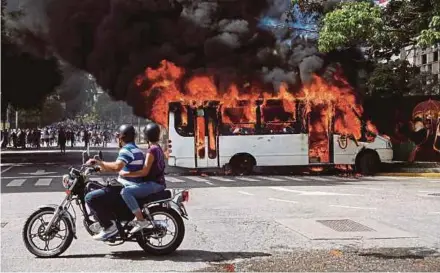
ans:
(427, 59)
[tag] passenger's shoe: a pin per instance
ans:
(107, 233)
(139, 225)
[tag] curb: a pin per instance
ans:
(429, 175)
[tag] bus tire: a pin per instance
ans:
(242, 164)
(368, 163)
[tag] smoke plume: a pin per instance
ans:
(116, 40)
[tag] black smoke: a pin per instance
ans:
(115, 40)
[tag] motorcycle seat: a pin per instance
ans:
(165, 194)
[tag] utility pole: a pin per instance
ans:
(16, 119)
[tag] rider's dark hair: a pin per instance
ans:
(127, 133)
(152, 132)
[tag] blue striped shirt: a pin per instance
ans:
(134, 160)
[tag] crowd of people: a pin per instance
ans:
(57, 135)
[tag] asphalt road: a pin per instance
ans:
(248, 223)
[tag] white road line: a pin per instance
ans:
(365, 188)
(282, 200)
(16, 183)
(246, 179)
(349, 207)
(209, 183)
(7, 169)
(173, 179)
(293, 178)
(434, 181)
(320, 179)
(219, 178)
(269, 178)
(43, 182)
(245, 193)
(314, 193)
(434, 212)
(26, 177)
(196, 178)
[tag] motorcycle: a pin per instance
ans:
(60, 221)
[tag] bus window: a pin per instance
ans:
(184, 120)
(275, 120)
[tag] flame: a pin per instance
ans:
(200, 137)
(327, 108)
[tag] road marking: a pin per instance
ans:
(209, 183)
(293, 178)
(315, 193)
(282, 200)
(43, 182)
(269, 178)
(7, 169)
(434, 212)
(219, 178)
(349, 207)
(39, 172)
(16, 183)
(245, 193)
(25, 177)
(173, 179)
(434, 181)
(365, 188)
(320, 179)
(247, 179)
(196, 178)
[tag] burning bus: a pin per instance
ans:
(267, 132)
(244, 123)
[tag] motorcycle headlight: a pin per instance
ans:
(67, 181)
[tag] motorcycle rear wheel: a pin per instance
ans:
(143, 241)
(27, 235)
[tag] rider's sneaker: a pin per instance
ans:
(139, 225)
(106, 233)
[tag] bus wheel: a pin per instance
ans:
(242, 164)
(368, 163)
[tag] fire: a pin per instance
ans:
(327, 108)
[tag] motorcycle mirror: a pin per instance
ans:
(101, 155)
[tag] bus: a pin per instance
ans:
(245, 136)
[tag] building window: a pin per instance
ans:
(424, 59)
(436, 56)
(429, 68)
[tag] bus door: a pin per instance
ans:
(320, 136)
(206, 137)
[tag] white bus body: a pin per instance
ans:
(272, 150)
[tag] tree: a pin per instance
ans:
(350, 25)
(384, 31)
(431, 35)
(398, 78)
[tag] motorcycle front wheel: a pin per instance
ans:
(163, 240)
(55, 242)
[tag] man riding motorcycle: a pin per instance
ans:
(102, 202)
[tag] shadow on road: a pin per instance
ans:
(178, 256)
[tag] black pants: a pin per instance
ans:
(107, 204)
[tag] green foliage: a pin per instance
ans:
(431, 35)
(398, 78)
(354, 23)
(383, 30)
